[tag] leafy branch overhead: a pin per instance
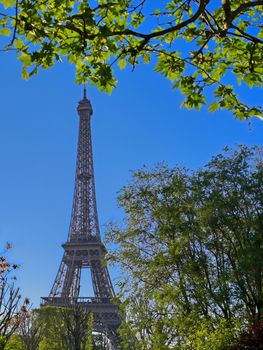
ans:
(200, 45)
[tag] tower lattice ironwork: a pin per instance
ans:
(84, 248)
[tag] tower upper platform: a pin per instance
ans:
(84, 107)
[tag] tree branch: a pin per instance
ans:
(227, 11)
(200, 10)
(244, 7)
(147, 37)
(15, 29)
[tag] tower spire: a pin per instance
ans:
(85, 93)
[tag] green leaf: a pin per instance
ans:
(122, 64)
(146, 58)
(8, 3)
(25, 58)
(109, 88)
(260, 34)
(5, 31)
(252, 79)
(25, 75)
(213, 107)
(18, 44)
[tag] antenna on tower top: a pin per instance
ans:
(85, 93)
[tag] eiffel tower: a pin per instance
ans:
(84, 248)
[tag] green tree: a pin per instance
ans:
(197, 44)
(77, 326)
(191, 252)
(31, 331)
(3, 342)
(66, 328)
(51, 318)
(15, 343)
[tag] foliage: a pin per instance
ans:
(66, 328)
(51, 318)
(14, 343)
(203, 336)
(195, 44)
(3, 342)
(77, 326)
(31, 331)
(12, 313)
(252, 339)
(191, 252)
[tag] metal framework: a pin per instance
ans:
(84, 248)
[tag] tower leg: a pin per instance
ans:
(101, 281)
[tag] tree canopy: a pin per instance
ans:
(191, 252)
(65, 328)
(200, 45)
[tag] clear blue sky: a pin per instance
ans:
(140, 123)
